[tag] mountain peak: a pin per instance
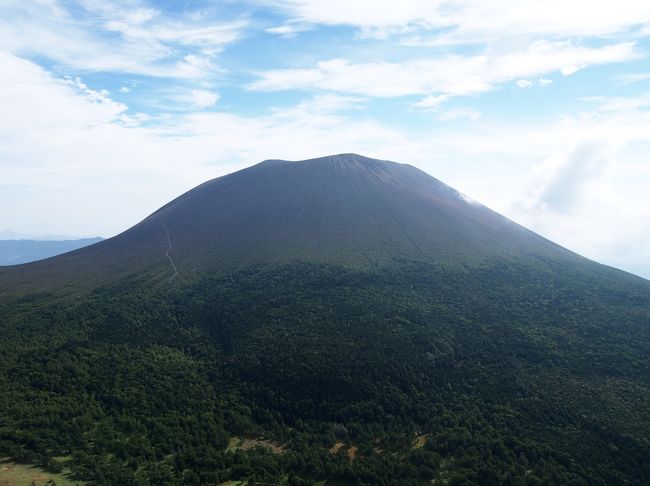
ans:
(345, 157)
(348, 157)
(336, 159)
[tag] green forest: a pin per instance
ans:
(304, 373)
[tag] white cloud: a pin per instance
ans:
(544, 82)
(620, 103)
(361, 13)
(569, 70)
(289, 30)
(523, 83)
(434, 104)
(467, 20)
(560, 179)
(593, 200)
(441, 40)
(451, 75)
(197, 99)
(633, 78)
(326, 104)
(32, 100)
(431, 102)
(459, 114)
(109, 36)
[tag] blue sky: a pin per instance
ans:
(539, 110)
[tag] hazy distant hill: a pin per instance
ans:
(340, 320)
(13, 252)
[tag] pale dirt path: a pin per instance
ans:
(167, 253)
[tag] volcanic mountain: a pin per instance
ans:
(345, 209)
(340, 320)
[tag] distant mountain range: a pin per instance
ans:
(338, 321)
(17, 251)
(13, 235)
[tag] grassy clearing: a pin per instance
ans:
(12, 474)
(336, 447)
(352, 452)
(420, 440)
(245, 444)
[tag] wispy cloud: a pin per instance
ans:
(468, 20)
(459, 114)
(452, 75)
(561, 178)
(620, 103)
(115, 37)
(432, 102)
(289, 30)
(197, 99)
(630, 78)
